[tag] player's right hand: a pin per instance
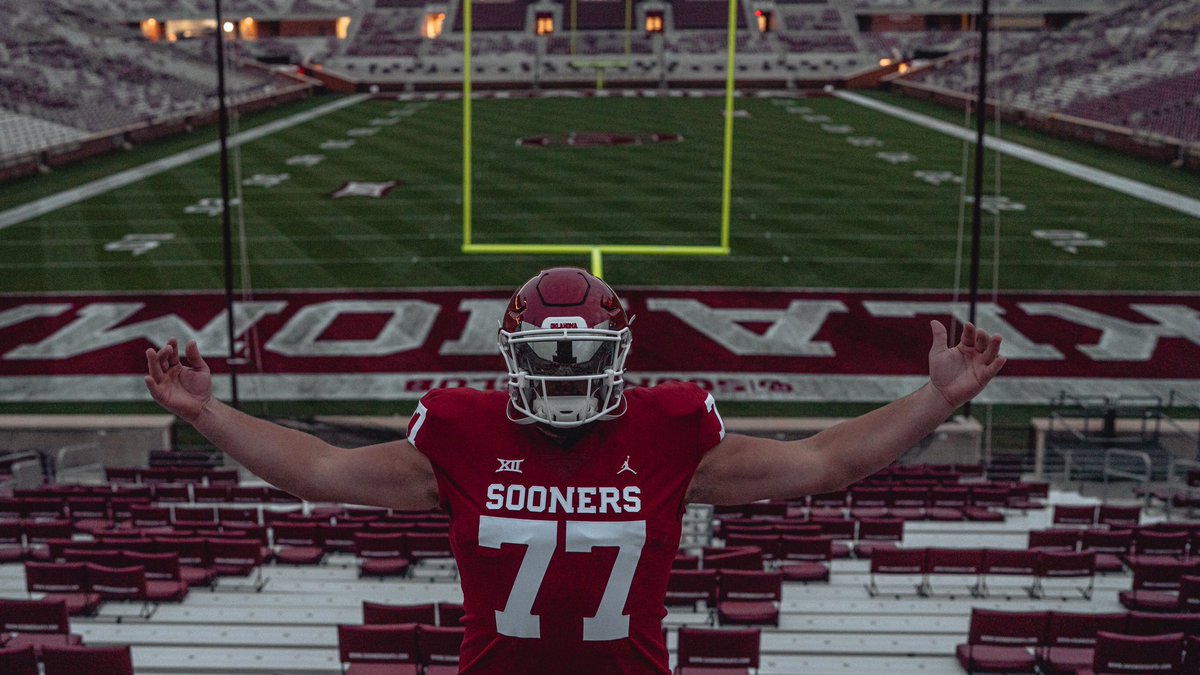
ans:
(182, 390)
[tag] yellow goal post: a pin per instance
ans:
(597, 251)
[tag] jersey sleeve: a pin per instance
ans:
(696, 409)
(431, 433)
(712, 427)
(421, 427)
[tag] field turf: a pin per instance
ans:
(809, 208)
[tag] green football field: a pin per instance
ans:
(813, 204)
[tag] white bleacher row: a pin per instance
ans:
(968, 6)
(22, 133)
(1121, 67)
(190, 9)
(71, 67)
(385, 47)
(834, 627)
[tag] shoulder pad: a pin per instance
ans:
(676, 399)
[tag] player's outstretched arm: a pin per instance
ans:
(393, 475)
(742, 469)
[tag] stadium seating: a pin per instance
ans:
(1117, 653)
(1001, 641)
(690, 588)
(363, 648)
(1064, 565)
(297, 543)
(1157, 584)
(130, 583)
(380, 554)
(909, 563)
(1141, 81)
(66, 582)
(37, 624)
(876, 533)
(953, 562)
(114, 660)
(805, 558)
(749, 597)
(450, 614)
(439, 647)
(380, 613)
(1071, 639)
(718, 650)
(1110, 545)
(18, 661)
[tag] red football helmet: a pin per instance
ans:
(565, 337)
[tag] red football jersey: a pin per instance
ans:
(564, 553)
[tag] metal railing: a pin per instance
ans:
(1142, 477)
(1178, 399)
(71, 460)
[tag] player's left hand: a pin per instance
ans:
(960, 373)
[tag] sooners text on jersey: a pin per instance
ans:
(564, 554)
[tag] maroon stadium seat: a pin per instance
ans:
(1071, 639)
(877, 533)
(1156, 583)
(36, 623)
(1119, 517)
(19, 661)
(380, 554)
(1054, 540)
(690, 587)
(62, 581)
(733, 650)
(439, 647)
(1064, 565)
(116, 660)
(1111, 547)
(450, 614)
(909, 562)
(1000, 641)
(1117, 653)
(749, 597)
(297, 543)
(744, 558)
(1066, 514)
(130, 583)
(805, 558)
(380, 613)
(966, 562)
(365, 648)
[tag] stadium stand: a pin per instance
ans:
(1131, 67)
(117, 660)
(1145, 84)
(768, 546)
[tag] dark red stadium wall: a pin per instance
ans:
(335, 83)
(765, 335)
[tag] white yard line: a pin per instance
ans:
(1133, 188)
(57, 201)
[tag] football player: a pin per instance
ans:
(566, 491)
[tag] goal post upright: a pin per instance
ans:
(466, 125)
(727, 163)
(596, 251)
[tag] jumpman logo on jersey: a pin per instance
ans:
(625, 467)
(510, 465)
